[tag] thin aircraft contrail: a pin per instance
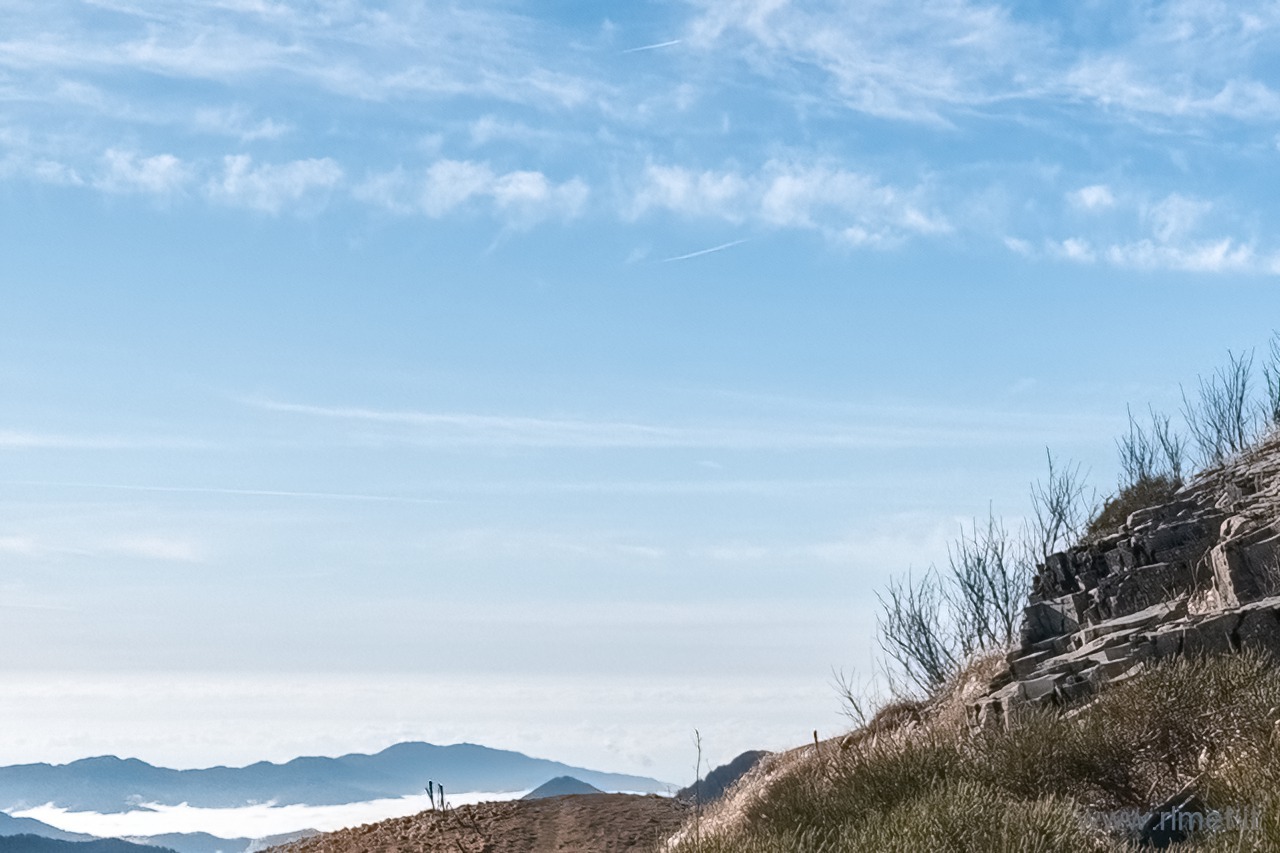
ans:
(702, 252)
(652, 46)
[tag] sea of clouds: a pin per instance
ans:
(257, 821)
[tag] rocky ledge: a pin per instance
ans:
(1198, 574)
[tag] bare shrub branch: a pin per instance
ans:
(1151, 455)
(929, 626)
(1221, 419)
(912, 632)
(1173, 446)
(1271, 373)
(1061, 507)
(857, 701)
(988, 584)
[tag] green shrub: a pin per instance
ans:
(1147, 492)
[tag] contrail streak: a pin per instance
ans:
(660, 44)
(702, 252)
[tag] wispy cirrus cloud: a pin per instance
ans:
(880, 58)
(147, 546)
(469, 429)
(365, 52)
(290, 106)
(155, 547)
(11, 439)
(1188, 60)
(218, 491)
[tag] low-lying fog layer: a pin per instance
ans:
(256, 821)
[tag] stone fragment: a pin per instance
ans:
(1247, 566)
(1259, 627)
(1050, 618)
(1212, 635)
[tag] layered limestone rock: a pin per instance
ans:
(1198, 574)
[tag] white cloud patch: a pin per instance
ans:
(521, 197)
(719, 195)
(1214, 256)
(1093, 197)
(1074, 249)
(271, 187)
(125, 171)
(1168, 234)
(1175, 216)
(845, 205)
(1019, 246)
(451, 183)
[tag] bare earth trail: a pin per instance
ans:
(587, 823)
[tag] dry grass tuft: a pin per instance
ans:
(921, 781)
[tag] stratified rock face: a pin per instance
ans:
(1198, 574)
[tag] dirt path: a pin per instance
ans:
(585, 823)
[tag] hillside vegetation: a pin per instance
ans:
(1184, 750)
(1080, 780)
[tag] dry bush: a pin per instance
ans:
(1207, 722)
(1142, 494)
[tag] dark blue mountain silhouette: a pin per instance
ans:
(42, 844)
(109, 784)
(10, 825)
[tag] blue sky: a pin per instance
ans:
(618, 352)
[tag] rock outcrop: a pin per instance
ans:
(1200, 573)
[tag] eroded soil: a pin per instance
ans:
(587, 823)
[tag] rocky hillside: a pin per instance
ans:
(1199, 573)
(1181, 734)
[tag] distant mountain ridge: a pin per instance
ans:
(561, 786)
(43, 844)
(10, 825)
(713, 786)
(109, 784)
(16, 834)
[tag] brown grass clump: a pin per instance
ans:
(1054, 781)
(1146, 492)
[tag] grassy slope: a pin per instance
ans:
(1043, 785)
